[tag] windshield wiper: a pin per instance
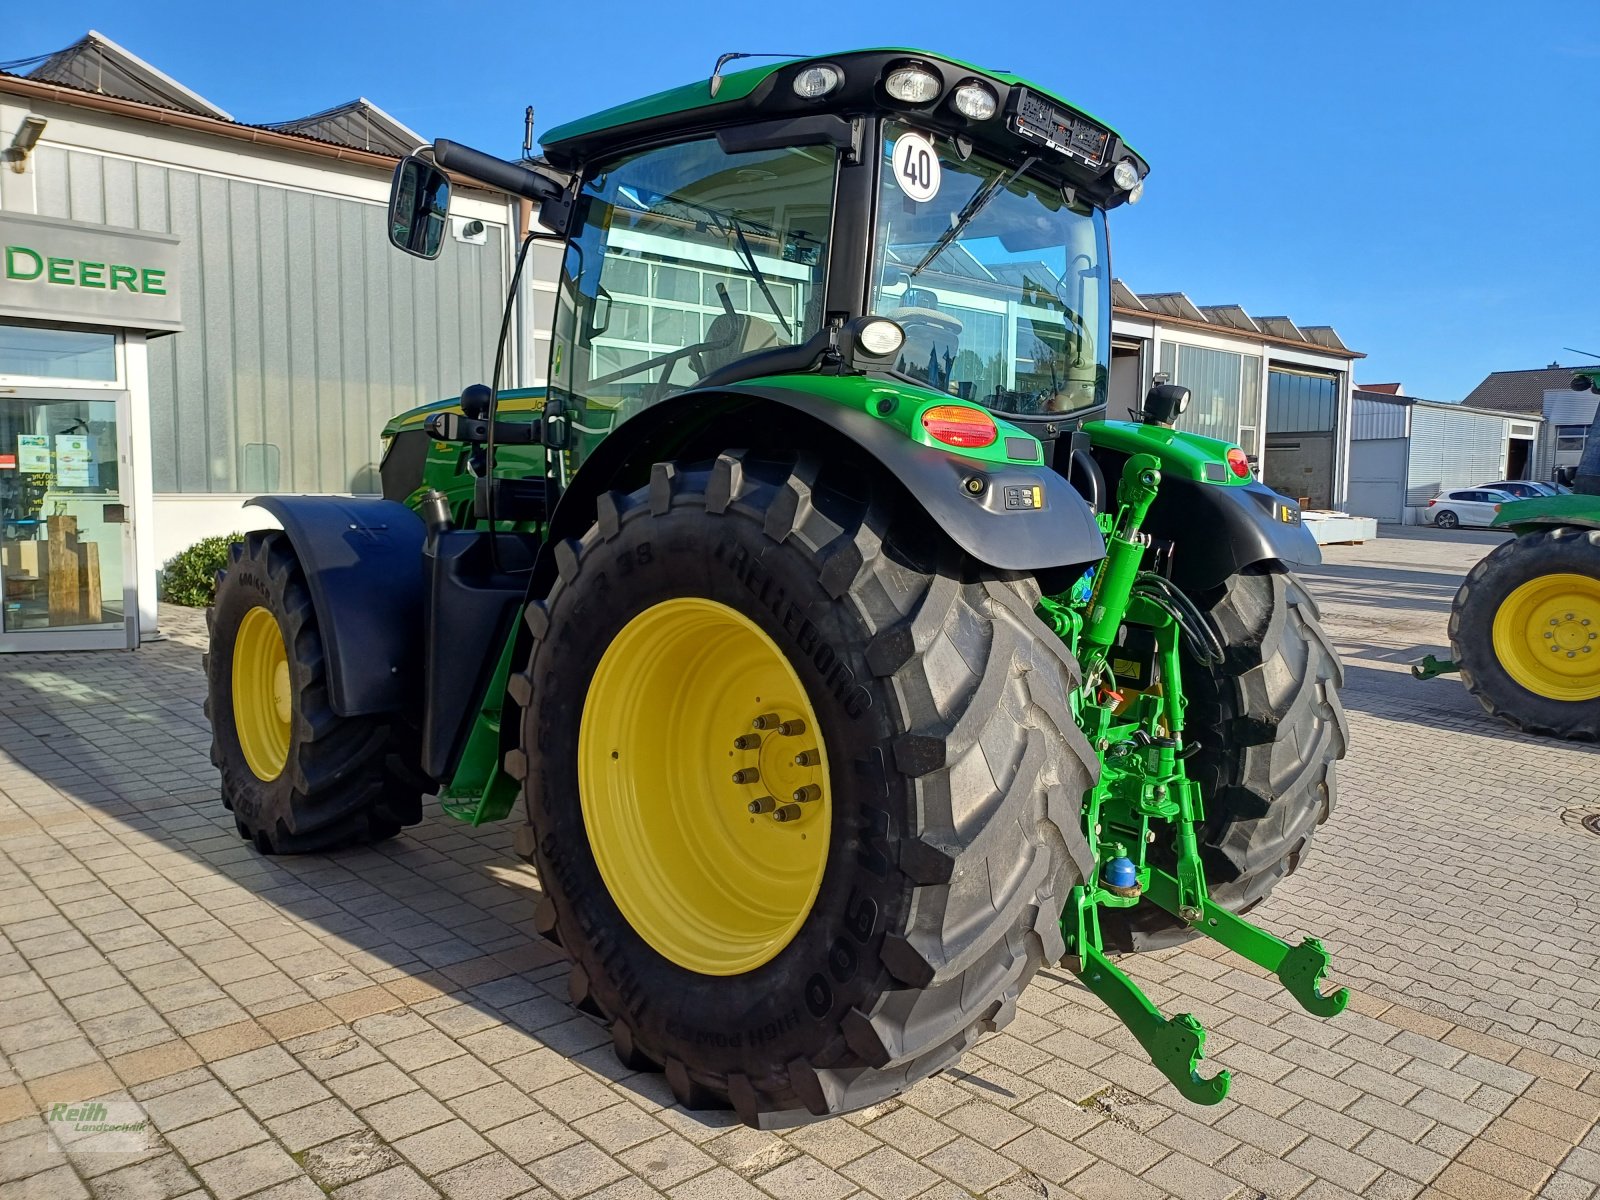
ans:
(980, 200)
(755, 272)
(729, 222)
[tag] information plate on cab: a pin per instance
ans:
(1038, 120)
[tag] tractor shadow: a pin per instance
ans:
(106, 751)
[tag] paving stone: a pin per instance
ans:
(804, 1178)
(442, 1146)
(576, 1171)
(344, 1160)
(303, 1128)
(397, 1183)
(1179, 1175)
(216, 1136)
(246, 1171)
(492, 1177)
(889, 1175)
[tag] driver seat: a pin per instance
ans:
(732, 336)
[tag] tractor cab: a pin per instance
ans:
(887, 213)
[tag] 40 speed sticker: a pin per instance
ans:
(916, 167)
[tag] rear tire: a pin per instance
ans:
(342, 780)
(1270, 728)
(1445, 519)
(1501, 663)
(955, 777)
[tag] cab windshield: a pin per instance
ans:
(1014, 310)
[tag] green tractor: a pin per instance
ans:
(842, 664)
(1525, 624)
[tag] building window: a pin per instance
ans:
(1571, 437)
(1224, 391)
(79, 355)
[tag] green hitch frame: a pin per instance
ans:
(1144, 811)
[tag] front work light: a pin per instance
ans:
(976, 102)
(815, 82)
(880, 337)
(912, 85)
(1125, 175)
(958, 425)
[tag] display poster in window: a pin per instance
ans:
(33, 453)
(75, 465)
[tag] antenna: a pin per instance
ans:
(1585, 353)
(716, 71)
(527, 132)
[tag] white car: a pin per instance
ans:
(1522, 489)
(1465, 506)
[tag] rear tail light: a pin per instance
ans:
(1431, 503)
(1237, 462)
(1497, 508)
(958, 425)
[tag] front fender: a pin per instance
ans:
(363, 564)
(1219, 531)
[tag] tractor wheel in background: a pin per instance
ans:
(297, 777)
(804, 784)
(1445, 519)
(1269, 727)
(1525, 629)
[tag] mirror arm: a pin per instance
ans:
(452, 427)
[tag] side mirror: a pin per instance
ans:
(1165, 403)
(419, 207)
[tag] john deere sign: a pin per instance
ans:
(57, 270)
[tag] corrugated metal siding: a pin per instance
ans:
(1452, 449)
(1300, 402)
(1376, 420)
(1563, 406)
(305, 330)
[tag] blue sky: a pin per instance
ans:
(1424, 177)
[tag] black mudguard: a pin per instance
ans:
(1062, 533)
(1218, 531)
(363, 564)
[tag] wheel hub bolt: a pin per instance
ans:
(749, 741)
(770, 720)
(792, 728)
(1547, 634)
(1553, 621)
(1574, 653)
(764, 805)
(747, 775)
(804, 795)
(787, 813)
(1555, 649)
(807, 758)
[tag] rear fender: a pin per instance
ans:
(363, 564)
(1061, 532)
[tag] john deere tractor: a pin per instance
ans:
(1525, 625)
(840, 664)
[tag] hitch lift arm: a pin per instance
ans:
(1145, 807)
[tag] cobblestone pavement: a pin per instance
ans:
(380, 1023)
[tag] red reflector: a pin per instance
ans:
(958, 425)
(1237, 462)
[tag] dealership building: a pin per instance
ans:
(194, 310)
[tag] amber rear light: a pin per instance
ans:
(958, 425)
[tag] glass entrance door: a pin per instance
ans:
(65, 559)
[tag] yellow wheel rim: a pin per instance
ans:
(704, 786)
(263, 706)
(1547, 636)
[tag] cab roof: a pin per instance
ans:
(693, 105)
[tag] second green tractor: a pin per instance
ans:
(839, 662)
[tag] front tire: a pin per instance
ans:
(949, 800)
(1525, 629)
(297, 777)
(1270, 729)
